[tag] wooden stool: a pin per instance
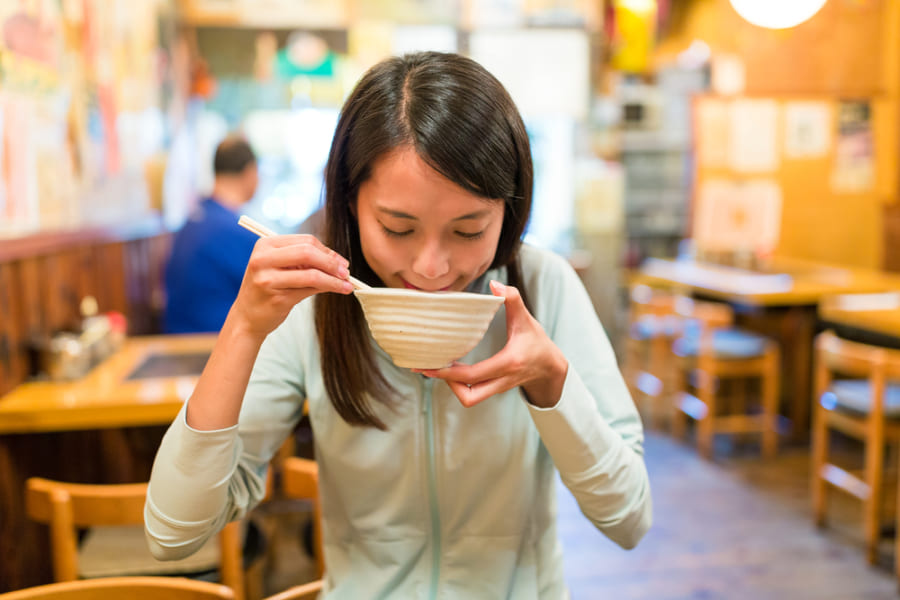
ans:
(865, 407)
(712, 352)
(652, 327)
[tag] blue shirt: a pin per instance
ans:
(205, 270)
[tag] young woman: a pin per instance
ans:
(433, 484)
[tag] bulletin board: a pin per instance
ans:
(826, 158)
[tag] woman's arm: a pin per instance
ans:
(282, 271)
(565, 365)
(205, 474)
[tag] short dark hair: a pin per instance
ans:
(461, 121)
(233, 155)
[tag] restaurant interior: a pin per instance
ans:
(749, 283)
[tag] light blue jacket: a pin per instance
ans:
(450, 502)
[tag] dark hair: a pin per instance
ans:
(233, 155)
(462, 122)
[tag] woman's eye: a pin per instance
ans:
(395, 233)
(470, 236)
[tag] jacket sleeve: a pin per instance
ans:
(594, 432)
(201, 480)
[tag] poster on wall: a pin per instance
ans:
(854, 149)
(754, 136)
(738, 216)
(807, 129)
(713, 127)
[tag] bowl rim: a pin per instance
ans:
(401, 292)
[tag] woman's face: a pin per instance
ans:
(420, 230)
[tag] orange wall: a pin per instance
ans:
(849, 50)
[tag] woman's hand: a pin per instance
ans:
(282, 271)
(529, 360)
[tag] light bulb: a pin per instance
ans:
(777, 14)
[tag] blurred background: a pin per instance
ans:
(723, 149)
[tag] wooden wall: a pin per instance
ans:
(849, 50)
(44, 277)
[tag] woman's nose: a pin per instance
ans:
(431, 261)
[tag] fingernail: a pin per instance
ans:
(499, 285)
(342, 271)
(347, 286)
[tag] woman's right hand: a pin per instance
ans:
(282, 271)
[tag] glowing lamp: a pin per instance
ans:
(777, 14)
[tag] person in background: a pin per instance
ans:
(210, 252)
(439, 483)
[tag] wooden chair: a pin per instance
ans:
(713, 353)
(652, 327)
(67, 507)
(854, 395)
(132, 588)
(300, 479)
(307, 591)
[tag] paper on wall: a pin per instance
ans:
(754, 139)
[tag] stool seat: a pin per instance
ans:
(648, 327)
(728, 344)
(855, 395)
(119, 550)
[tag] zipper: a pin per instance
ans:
(432, 490)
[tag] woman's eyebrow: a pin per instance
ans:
(395, 213)
(478, 214)
(402, 215)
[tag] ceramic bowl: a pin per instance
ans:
(424, 330)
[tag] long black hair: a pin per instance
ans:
(462, 122)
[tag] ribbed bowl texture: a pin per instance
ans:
(424, 330)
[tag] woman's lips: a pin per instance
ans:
(410, 286)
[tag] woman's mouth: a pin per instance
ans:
(410, 286)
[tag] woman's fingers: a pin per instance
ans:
(515, 306)
(303, 255)
(312, 280)
(303, 264)
(470, 395)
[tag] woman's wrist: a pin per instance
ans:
(546, 391)
(216, 401)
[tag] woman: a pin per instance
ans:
(433, 483)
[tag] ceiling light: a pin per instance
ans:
(777, 14)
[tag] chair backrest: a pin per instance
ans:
(65, 507)
(133, 588)
(837, 356)
(300, 479)
(307, 591)
(709, 315)
(646, 300)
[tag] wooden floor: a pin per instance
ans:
(737, 528)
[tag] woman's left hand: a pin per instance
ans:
(529, 360)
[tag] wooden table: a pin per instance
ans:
(878, 314)
(102, 428)
(779, 300)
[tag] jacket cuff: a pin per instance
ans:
(573, 431)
